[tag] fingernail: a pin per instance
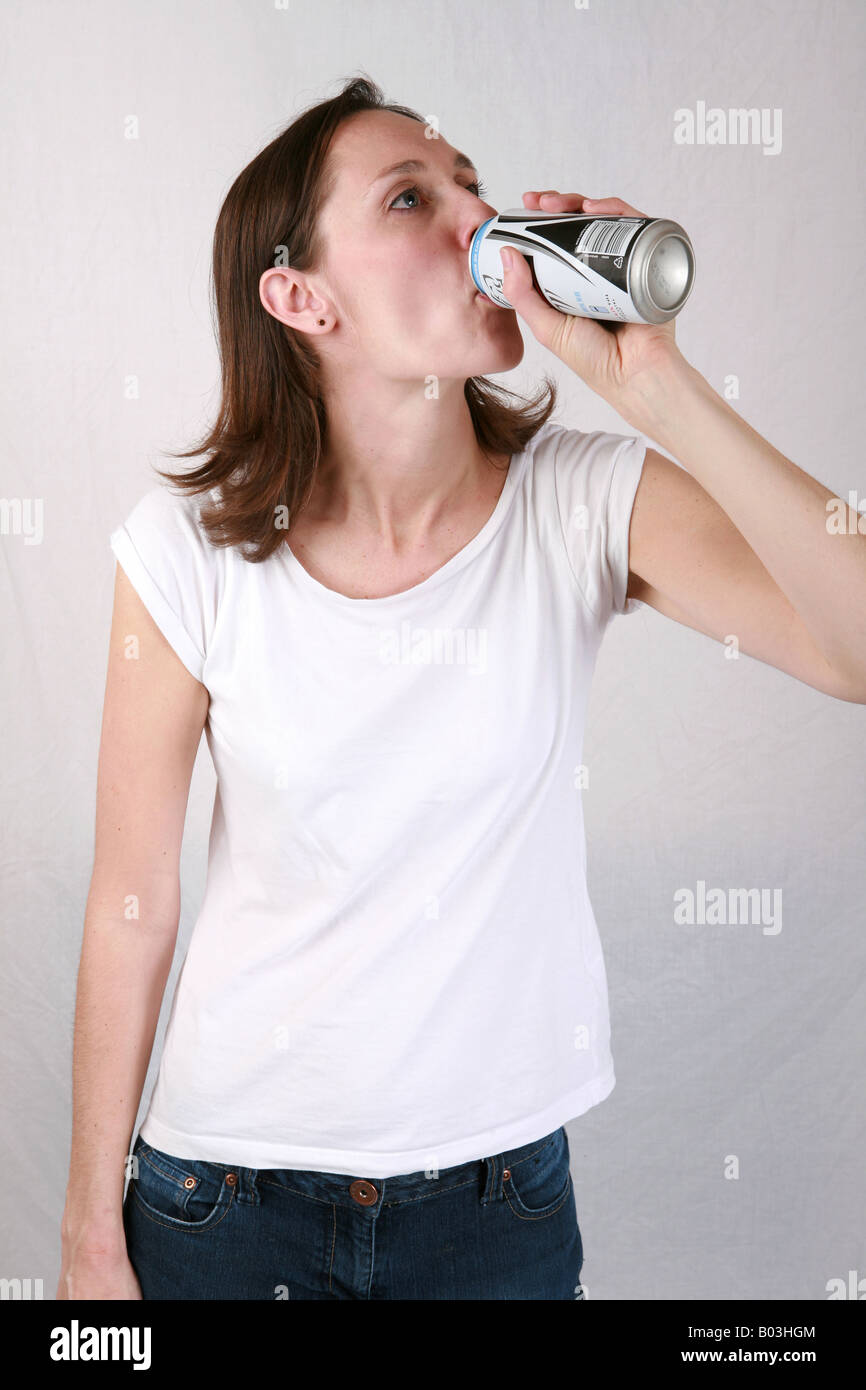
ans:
(506, 255)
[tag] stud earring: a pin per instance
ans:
(321, 320)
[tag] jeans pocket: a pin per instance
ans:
(539, 1185)
(189, 1194)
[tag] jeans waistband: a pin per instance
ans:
(374, 1193)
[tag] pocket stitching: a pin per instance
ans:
(510, 1192)
(527, 1214)
(177, 1223)
(146, 1154)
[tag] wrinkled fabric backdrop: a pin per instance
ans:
(727, 1163)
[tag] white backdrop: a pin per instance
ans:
(728, 1040)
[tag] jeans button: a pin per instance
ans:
(363, 1192)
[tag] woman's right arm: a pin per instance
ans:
(153, 717)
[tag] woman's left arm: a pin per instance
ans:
(739, 541)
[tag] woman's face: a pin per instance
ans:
(396, 257)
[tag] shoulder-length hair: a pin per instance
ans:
(265, 445)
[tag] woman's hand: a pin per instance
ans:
(608, 359)
(102, 1278)
(104, 1272)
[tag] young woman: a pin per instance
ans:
(382, 596)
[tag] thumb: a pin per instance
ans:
(519, 290)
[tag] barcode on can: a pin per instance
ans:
(608, 238)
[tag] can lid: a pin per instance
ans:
(669, 272)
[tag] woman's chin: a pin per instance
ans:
(505, 355)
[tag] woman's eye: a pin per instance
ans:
(478, 188)
(404, 194)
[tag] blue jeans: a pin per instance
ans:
(496, 1228)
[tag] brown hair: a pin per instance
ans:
(266, 442)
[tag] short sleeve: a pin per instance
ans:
(165, 554)
(596, 478)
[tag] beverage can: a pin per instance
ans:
(634, 269)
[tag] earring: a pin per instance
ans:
(321, 320)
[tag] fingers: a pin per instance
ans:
(543, 319)
(549, 200)
(611, 205)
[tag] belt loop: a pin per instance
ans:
(493, 1184)
(247, 1188)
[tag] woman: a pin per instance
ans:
(382, 597)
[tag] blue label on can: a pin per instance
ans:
(474, 252)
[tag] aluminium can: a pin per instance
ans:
(631, 269)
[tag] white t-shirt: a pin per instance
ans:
(395, 966)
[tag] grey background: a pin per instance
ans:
(727, 1040)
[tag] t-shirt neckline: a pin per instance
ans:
(439, 576)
